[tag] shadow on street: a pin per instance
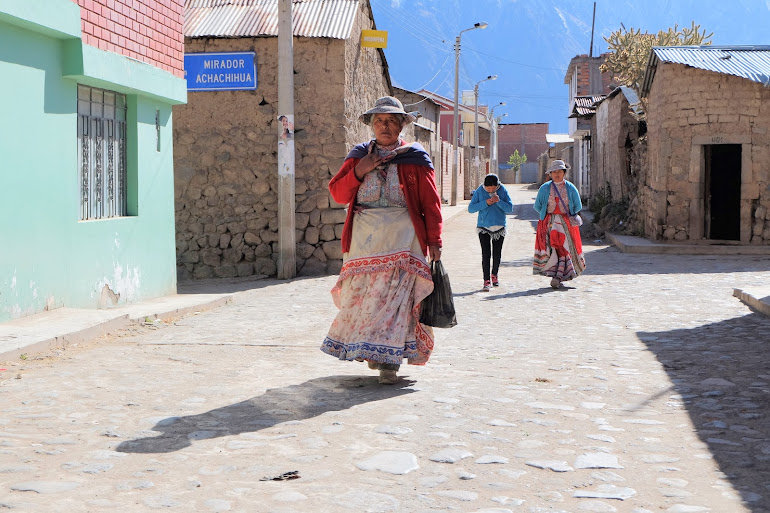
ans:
(721, 375)
(296, 402)
(532, 292)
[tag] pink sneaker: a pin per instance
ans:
(487, 286)
(495, 283)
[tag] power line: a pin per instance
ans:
(439, 71)
(562, 70)
(399, 18)
(534, 96)
(416, 30)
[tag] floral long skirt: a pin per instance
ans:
(558, 248)
(383, 280)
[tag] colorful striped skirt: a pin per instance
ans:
(558, 248)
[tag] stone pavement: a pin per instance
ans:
(643, 386)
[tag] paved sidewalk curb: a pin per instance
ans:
(630, 244)
(60, 328)
(756, 298)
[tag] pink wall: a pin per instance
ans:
(146, 30)
(528, 138)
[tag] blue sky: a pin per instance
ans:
(529, 43)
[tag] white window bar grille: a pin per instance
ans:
(101, 153)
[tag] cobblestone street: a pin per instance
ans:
(643, 386)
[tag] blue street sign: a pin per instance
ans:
(228, 71)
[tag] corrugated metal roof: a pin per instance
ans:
(751, 62)
(254, 18)
(631, 97)
(586, 105)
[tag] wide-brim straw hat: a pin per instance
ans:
(387, 105)
(557, 164)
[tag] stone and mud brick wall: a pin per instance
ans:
(689, 108)
(225, 156)
(615, 135)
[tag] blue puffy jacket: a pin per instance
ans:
(490, 215)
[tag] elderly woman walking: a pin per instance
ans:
(393, 221)
(558, 247)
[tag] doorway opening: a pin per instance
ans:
(723, 191)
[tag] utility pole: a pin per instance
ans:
(455, 120)
(476, 167)
(287, 261)
(476, 172)
(593, 23)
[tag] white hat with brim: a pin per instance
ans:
(387, 105)
(557, 164)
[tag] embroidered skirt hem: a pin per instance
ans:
(383, 280)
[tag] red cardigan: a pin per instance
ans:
(422, 200)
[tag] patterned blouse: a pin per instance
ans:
(553, 199)
(381, 188)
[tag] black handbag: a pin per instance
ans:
(438, 309)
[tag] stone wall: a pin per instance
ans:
(225, 156)
(615, 134)
(687, 109)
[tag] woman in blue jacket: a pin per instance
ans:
(558, 247)
(492, 202)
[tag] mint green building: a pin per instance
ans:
(86, 167)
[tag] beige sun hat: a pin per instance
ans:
(557, 164)
(387, 105)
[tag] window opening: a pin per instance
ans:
(101, 153)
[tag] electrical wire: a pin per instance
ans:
(562, 70)
(434, 76)
(416, 30)
(396, 16)
(423, 87)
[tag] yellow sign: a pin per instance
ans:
(374, 38)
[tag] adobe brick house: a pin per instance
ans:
(226, 180)
(708, 116)
(616, 132)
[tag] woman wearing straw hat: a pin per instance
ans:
(393, 222)
(558, 247)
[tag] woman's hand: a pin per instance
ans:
(493, 199)
(367, 164)
(434, 250)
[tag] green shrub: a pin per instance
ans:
(600, 200)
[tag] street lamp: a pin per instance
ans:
(476, 172)
(493, 126)
(455, 134)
